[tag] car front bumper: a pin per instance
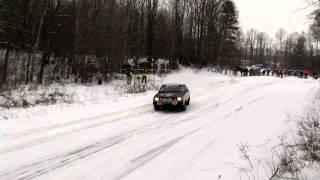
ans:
(168, 104)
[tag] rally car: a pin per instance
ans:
(173, 96)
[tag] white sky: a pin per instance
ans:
(270, 15)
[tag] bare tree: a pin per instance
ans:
(252, 42)
(280, 36)
(315, 32)
(152, 7)
(262, 40)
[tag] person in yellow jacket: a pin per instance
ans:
(129, 77)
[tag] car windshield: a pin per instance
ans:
(171, 89)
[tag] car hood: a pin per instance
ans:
(169, 94)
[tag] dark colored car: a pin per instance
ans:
(175, 96)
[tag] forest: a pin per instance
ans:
(48, 41)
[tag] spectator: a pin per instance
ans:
(268, 72)
(144, 76)
(129, 77)
(306, 74)
(315, 75)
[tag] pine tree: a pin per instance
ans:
(229, 29)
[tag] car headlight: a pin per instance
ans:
(179, 99)
(156, 99)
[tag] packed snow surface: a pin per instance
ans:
(122, 137)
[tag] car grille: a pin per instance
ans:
(167, 100)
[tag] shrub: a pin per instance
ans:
(31, 96)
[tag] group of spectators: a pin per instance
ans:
(129, 75)
(264, 71)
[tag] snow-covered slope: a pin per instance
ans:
(124, 138)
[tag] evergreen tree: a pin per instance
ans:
(229, 30)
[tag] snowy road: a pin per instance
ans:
(127, 139)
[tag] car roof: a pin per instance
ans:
(174, 84)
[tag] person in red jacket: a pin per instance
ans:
(306, 74)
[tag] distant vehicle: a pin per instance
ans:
(291, 72)
(175, 96)
(300, 73)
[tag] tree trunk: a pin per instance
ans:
(28, 69)
(317, 47)
(151, 14)
(41, 25)
(32, 69)
(38, 39)
(5, 67)
(44, 60)
(55, 70)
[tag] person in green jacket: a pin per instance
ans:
(144, 76)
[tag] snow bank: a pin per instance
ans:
(36, 101)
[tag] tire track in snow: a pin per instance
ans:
(81, 121)
(143, 159)
(51, 138)
(203, 152)
(44, 166)
(54, 137)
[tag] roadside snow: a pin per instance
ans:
(112, 136)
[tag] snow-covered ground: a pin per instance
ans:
(122, 137)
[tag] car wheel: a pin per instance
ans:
(188, 102)
(184, 107)
(156, 108)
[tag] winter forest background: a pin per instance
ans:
(47, 41)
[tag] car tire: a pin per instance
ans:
(156, 108)
(184, 107)
(188, 102)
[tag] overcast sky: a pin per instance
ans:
(270, 15)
